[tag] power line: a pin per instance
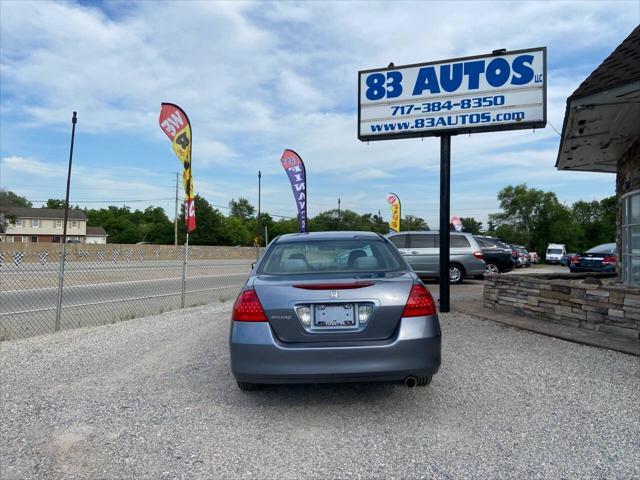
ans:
(79, 200)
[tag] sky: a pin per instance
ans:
(256, 78)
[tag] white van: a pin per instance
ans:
(555, 252)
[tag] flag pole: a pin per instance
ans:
(184, 269)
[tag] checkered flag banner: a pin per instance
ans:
(43, 257)
(100, 256)
(114, 256)
(83, 254)
(1, 259)
(17, 258)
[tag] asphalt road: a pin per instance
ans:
(154, 398)
(96, 294)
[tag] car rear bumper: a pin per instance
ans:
(257, 356)
(605, 269)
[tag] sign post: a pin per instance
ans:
(445, 207)
(484, 93)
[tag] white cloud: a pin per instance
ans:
(256, 78)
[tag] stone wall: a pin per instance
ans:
(568, 299)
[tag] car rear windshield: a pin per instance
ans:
(554, 251)
(490, 243)
(607, 248)
(331, 256)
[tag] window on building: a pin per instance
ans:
(630, 255)
(74, 224)
(25, 238)
(19, 222)
(56, 240)
(35, 223)
(34, 239)
(58, 223)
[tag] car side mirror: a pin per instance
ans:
(253, 265)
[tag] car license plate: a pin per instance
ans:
(334, 315)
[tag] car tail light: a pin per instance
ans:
(575, 259)
(609, 260)
(478, 255)
(248, 308)
(420, 302)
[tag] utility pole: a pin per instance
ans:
(259, 192)
(175, 219)
(339, 217)
(74, 120)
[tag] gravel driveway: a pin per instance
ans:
(154, 398)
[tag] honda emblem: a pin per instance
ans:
(333, 294)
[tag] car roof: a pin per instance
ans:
(304, 237)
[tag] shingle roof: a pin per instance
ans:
(51, 213)
(96, 232)
(619, 68)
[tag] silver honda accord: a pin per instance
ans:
(333, 307)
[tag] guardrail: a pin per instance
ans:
(42, 291)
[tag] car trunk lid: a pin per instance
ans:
(333, 305)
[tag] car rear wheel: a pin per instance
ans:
(456, 273)
(491, 269)
(248, 387)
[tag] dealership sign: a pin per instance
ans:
(499, 91)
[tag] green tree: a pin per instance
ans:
(155, 226)
(117, 222)
(54, 203)
(535, 218)
(210, 225)
(471, 225)
(11, 199)
(241, 209)
(597, 219)
(412, 223)
(237, 232)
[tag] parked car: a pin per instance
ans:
(522, 258)
(555, 251)
(565, 261)
(421, 251)
(307, 316)
(602, 258)
(535, 258)
(497, 255)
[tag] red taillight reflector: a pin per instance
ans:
(575, 259)
(420, 302)
(478, 255)
(333, 286)
(248, 308)
(609, 260)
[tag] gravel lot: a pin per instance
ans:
(154, 398)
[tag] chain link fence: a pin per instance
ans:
(105, 284)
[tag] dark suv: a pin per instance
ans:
(496, 254)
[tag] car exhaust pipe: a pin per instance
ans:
(410, 382)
